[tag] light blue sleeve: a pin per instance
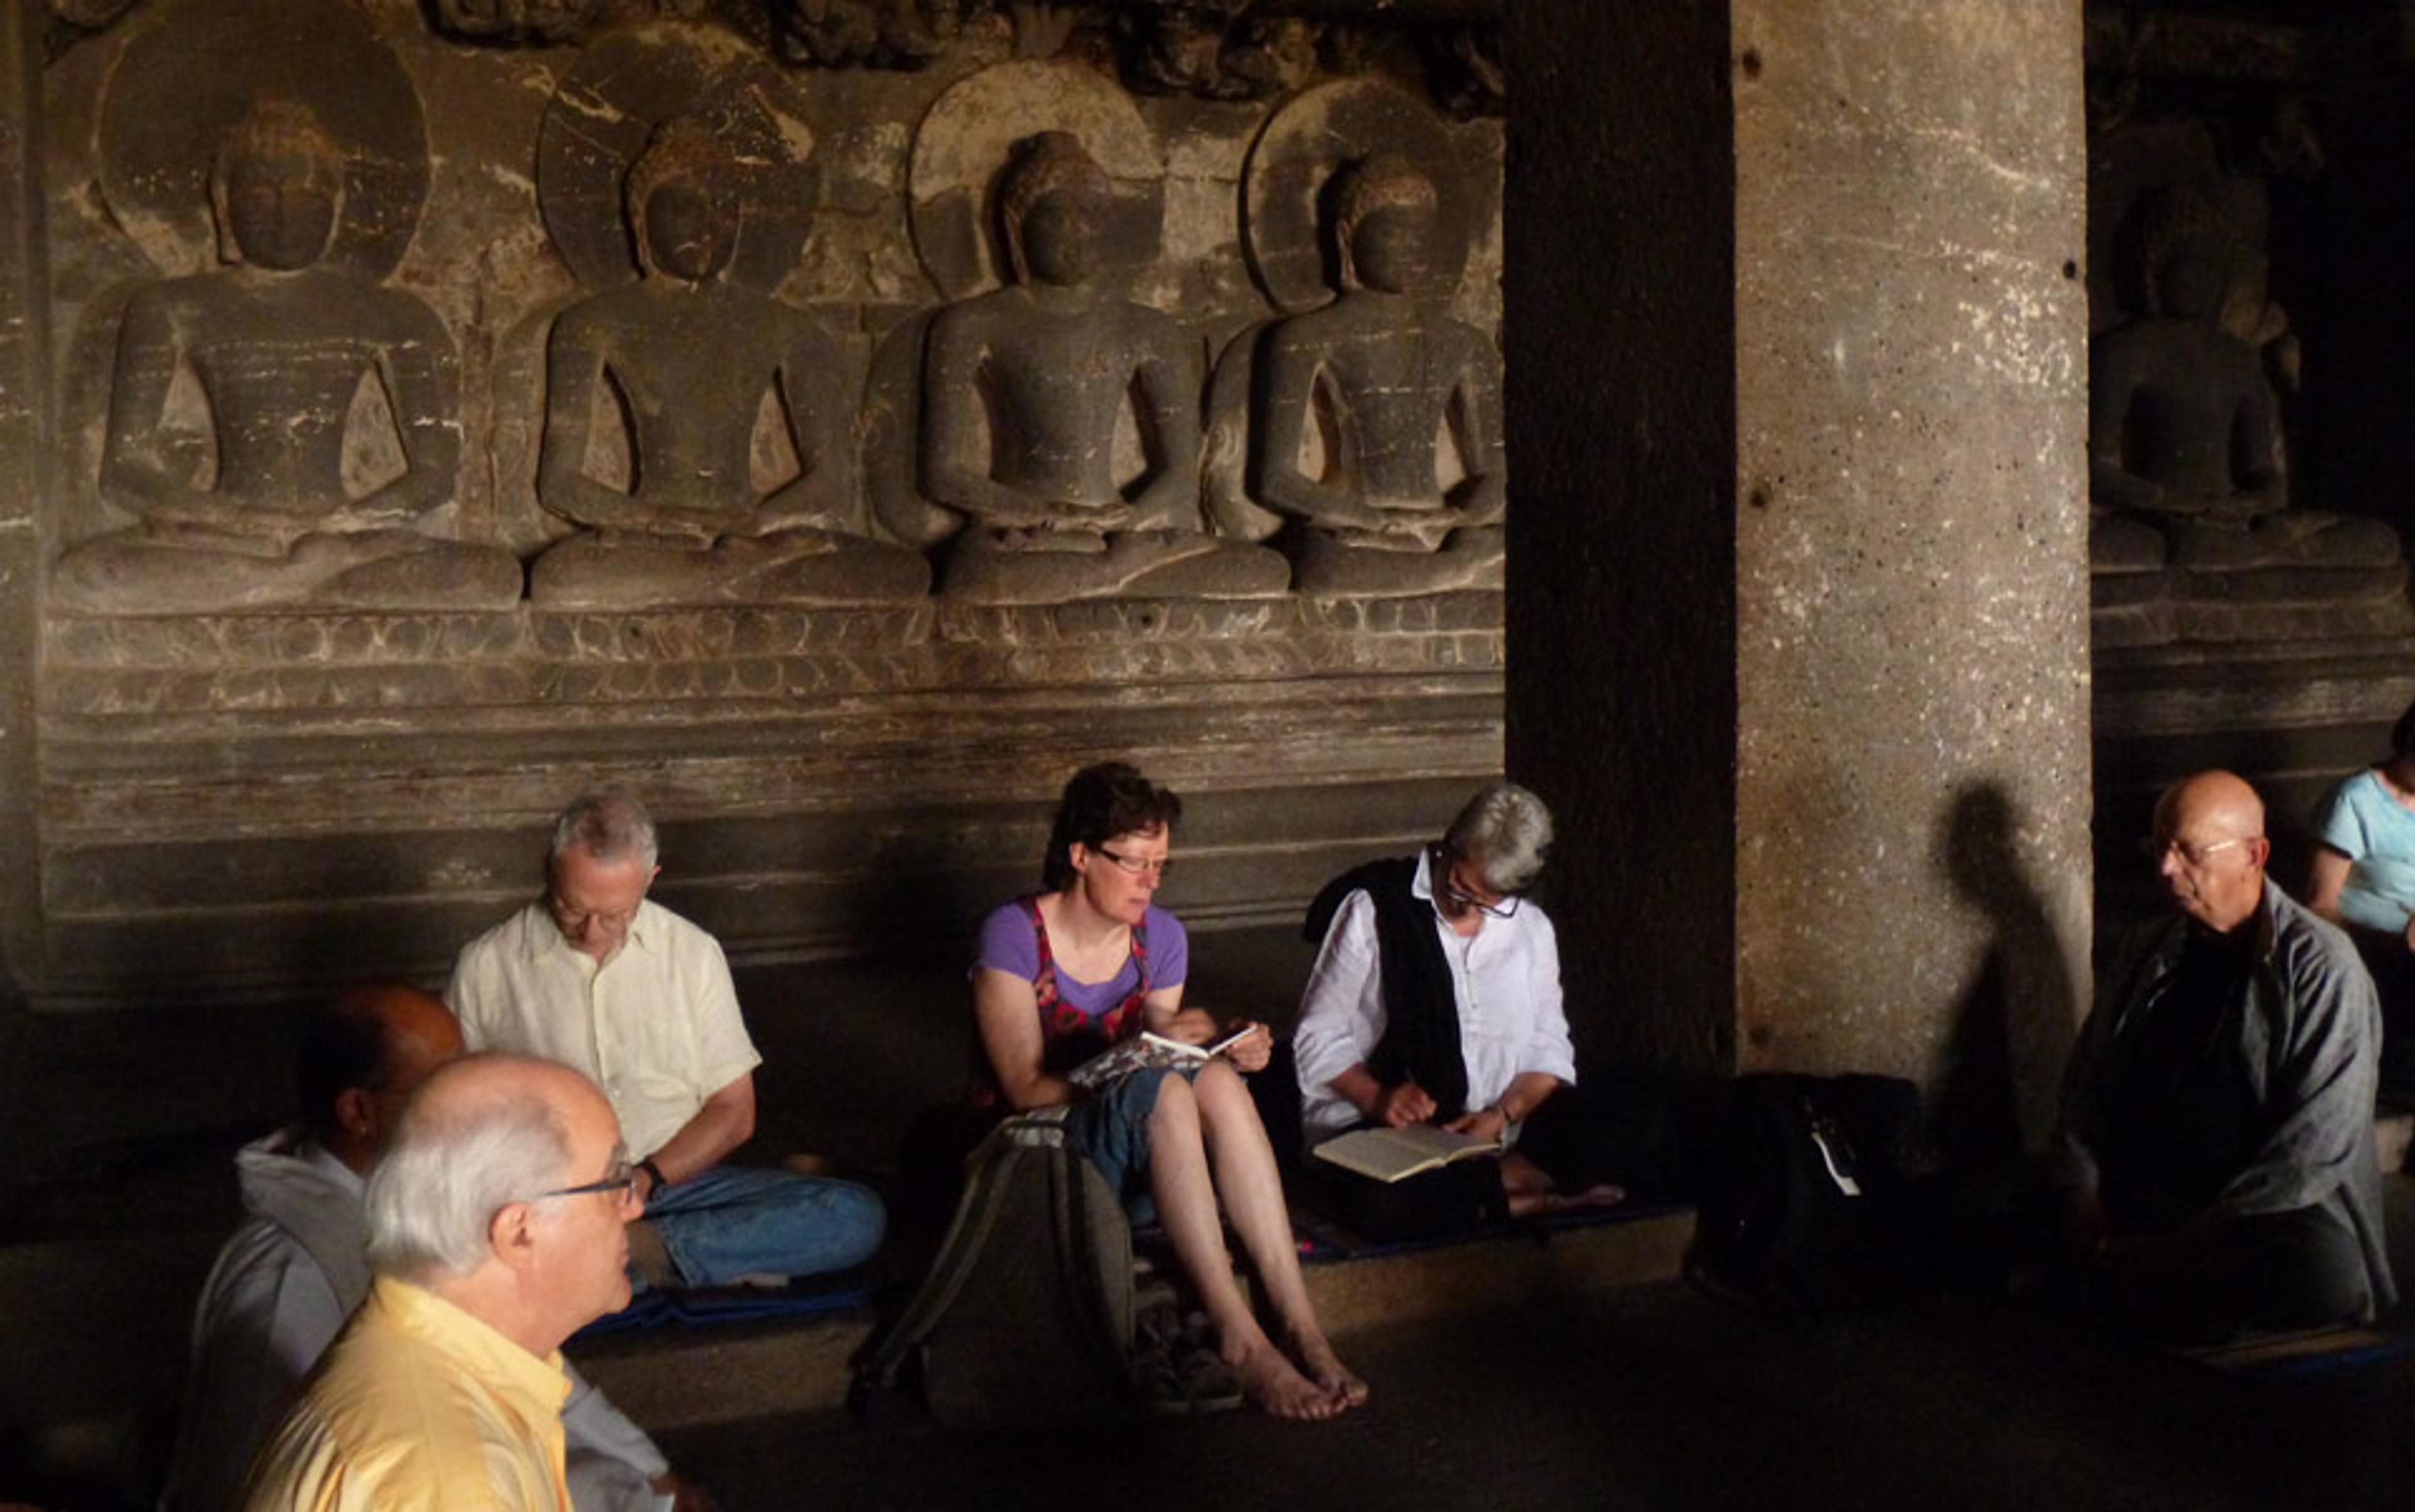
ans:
(2339, 823)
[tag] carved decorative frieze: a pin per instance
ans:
(543, 669)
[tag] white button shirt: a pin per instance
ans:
(1507, 979)
(656, 1027)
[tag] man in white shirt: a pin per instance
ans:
(596, 976)
(1436, 1000)
(287, 1280)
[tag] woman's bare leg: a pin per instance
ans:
(1186, 1203)
(1252, 1192)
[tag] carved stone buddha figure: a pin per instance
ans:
(2183, 429)
(268, 496)
(688, 362)
(1384, 377)
(1024, 388)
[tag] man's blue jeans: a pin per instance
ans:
(731, 1221)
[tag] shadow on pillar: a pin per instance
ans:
(1994, 1093)
(2012, 1031)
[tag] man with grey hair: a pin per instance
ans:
(598, 977)
(286, 1281)
(1435, 998)
(496, 1230)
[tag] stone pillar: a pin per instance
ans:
(24, 457)
(1798, 578)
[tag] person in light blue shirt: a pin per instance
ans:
(2363, 878)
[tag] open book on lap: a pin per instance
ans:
(1144, 1050)
(1392, 1154)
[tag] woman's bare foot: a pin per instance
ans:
(1278, 1389)
(1545, 1203)
(1324, 1368)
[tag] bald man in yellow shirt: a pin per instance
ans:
(497, 1223)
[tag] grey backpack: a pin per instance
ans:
(1025, 1318)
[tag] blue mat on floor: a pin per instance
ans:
(726, 1303)
(2318, 1353)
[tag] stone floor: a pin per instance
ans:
(1656, 1398)
(1649, 1396)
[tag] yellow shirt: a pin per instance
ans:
(419, 1407)
(657, 1027)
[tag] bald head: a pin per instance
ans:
(362, 1054)
(2210, 848)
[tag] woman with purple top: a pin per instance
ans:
(1090, 960)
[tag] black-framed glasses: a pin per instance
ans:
(1444, 865)
(1135, 865)
(1504, 906)
(622, 1179)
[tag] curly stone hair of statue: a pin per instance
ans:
(1380, 181)
(272, 129)
(1101, 802)
(683, 147)
(1052, 162)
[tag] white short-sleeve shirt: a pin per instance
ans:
(656, 1027)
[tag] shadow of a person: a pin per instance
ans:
(2001, 1062)
(2014, 1024)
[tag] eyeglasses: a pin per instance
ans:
(1504, 905)
(622, 1179)
(2191, 854)
(1135, 865)
(571, 919)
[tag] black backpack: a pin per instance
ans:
(1025, 1318)
(1806, 1206)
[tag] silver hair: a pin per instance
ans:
(1504, 829)
(607, 826)
(452, 1165)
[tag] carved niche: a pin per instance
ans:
(727, 472)
(2193, 534)
(1058, 421)
(282, 428)
(1363, 432)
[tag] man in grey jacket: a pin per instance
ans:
(2217, 1157)
(284, 1283)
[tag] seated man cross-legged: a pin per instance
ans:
(596, 976)
(2216, 1152)
(1436, 1000)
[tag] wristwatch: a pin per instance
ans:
(653, 1176)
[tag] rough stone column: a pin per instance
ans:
(1798, 576)
(24, 453)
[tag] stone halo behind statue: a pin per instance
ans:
(1372, 438)
(729, 406)
(266, 491)
(1024, 390)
